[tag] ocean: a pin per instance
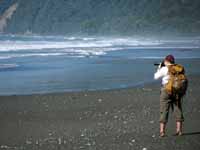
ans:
(32, 64)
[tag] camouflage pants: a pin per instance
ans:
(167, 102)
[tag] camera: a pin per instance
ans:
(162, 64)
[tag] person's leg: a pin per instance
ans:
(162, 129)
(164, 110)
(179, 116)
(179, 127)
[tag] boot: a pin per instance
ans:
(179, 127)
(162, 129)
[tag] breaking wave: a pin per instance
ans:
(39, 46)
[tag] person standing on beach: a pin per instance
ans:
(168, 99)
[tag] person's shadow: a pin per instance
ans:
(191, 133)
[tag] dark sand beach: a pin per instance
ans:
(99, 120)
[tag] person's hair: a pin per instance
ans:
(170, 58)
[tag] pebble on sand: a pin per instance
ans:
(37, 142)
(59, 141)
(115, 117)
(99, 100)
(4, 146)
(151, 121)
(28, 142)
(153, 136)
(133, 140)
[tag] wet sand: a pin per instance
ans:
(99, 120)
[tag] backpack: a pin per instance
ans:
(178, 82)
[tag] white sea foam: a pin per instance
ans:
(8, 66)
(5, 57)
(29, 46)
(30, 55)
(72, 42)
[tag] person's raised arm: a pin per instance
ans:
(161, 72)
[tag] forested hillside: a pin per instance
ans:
(103, 17)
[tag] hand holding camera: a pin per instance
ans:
(160, 65)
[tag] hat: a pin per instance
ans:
(170, 58)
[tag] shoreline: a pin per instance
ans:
(154, 83)
(140, 85)
(115, 119)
